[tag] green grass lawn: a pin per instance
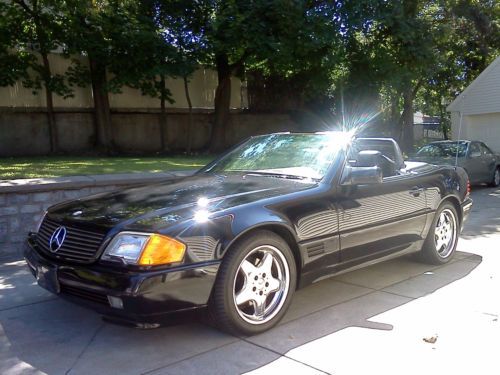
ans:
(32, 167)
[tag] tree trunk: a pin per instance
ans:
(190, 116)
(395, 117)
(442, 122)
(163, 117)
(101, 105)
(445, 131)
(41, 37)
(407, 119)
(222, 102)
(51, 118)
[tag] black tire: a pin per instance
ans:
(435, 250)
(495, 181)
(232, 279)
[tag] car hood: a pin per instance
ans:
(157, 206)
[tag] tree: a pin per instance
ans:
(34, 32)
(306, 56)
(186, 39)
(127, 43)
(140, 57)
(175, 54)
(476, 34)
(111, 35)
(86, 25)
(298, 74)
(406, 33)
(467, 44)
(279, 37)
(14, 62)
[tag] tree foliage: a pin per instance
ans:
(279, 40)
(30, 31)
(323, 57)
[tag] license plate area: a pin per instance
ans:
(46, 277)
(31, 267)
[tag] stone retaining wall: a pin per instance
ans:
(22, 202)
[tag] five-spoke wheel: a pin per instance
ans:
(254, 285)
(442, 239)
(261, 284)
(445, 233)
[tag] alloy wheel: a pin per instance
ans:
(261, 284)
(445, 233)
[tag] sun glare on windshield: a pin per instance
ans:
(287, 155)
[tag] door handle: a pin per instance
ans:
(416, 191)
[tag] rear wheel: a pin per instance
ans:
(254, 285)
(495, 181)
(441, 242)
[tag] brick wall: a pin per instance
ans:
(22, 202)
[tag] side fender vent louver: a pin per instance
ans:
(315, 250)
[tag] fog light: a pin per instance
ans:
(115, 302)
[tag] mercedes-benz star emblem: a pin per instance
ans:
(57, 239)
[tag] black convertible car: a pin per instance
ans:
(275, 213)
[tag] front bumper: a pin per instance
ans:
(466, 208)
(145, 297)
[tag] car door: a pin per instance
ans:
(380, 219)
(489, 161)
(475, 166)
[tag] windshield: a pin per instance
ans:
(288, 155)
(444, 149)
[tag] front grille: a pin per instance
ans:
(80, 245)
(88, 295)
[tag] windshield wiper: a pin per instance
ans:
(279, 175)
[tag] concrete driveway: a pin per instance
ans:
(397, 317)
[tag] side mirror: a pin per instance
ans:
(361, 175)
(368, 158)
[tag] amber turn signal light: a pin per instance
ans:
(161, 250)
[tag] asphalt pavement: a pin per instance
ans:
(396, 317)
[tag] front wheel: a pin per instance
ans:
(254, 285)
(495, 181)
(441, 242)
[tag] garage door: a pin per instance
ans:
(485, 128)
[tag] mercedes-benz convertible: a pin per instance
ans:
(238, 237)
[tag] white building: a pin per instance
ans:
(479, 107)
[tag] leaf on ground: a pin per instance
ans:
(431, 339)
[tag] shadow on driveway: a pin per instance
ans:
(42, 333)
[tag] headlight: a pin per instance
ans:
(127, 246)
(145, 249)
